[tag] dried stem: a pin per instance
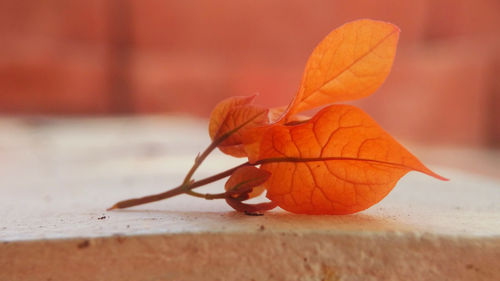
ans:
(175, 191)
(207, 196)
(188, 184)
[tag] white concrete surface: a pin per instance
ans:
(57, 177)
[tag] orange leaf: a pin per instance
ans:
(252, 137)
(247, 179)
(230, 114)
(339, 162)
(350, 63)
(221, 111)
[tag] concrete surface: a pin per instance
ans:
(57, 177)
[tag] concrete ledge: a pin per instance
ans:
(263, 255)
(57, 177)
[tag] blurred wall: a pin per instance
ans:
(133, 57)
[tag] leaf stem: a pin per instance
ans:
(175, 191)
(200, 158)
(187, 185)
(207, 196)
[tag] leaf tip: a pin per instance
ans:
(435, 175)
(439, 177)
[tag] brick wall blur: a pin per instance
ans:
(127, 56)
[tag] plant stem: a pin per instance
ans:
(187, 185)
(148, 199)
(175, 191)
(200, 158)
(207, 196)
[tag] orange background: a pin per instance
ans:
(133, 57)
